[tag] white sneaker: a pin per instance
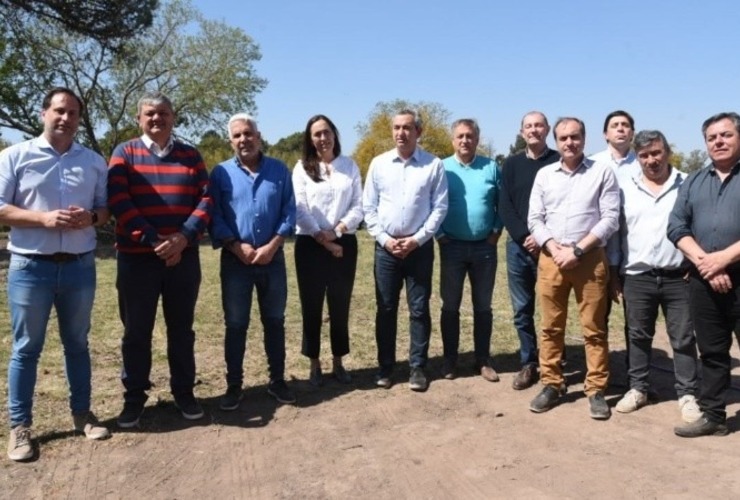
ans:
(633, 400)
(690, 411)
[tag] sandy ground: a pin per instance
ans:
(465, 438)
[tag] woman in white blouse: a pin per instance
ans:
(328, 194)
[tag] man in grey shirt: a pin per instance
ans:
(705, 226)
(573, 210)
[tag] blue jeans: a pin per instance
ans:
(237, 284)
(141, 280)
(521, 270)
(390, 274)
(477, 260)
(34, 286)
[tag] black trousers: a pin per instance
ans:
(321, 275)
(715, 316)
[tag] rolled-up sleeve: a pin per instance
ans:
(608, 208)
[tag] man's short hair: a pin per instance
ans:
(564, 119)
(616, 113)
(154, 98)
(46, 103)
(468, 122)
(521, 124)
(417, 119)
(242, 117)
(727, 115)
(645, 138)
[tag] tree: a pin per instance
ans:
(205, 67)
(376, 137)
(108, 21)
(214, 148)
(519, 145)
(288, 149)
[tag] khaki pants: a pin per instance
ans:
(589, 281)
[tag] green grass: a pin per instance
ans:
(50, 404)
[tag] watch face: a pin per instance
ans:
(578, 252)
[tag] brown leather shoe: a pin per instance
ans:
(487, 372)
(525, 378)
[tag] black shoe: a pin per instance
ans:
(547, 399)
(449, 369)
(315, 377)
(230, 401)
(701, 427)
(130, 415)
(417, 380)
(598, 407)
(278, 389)
(525, 378)
(189, 407)
(341, 374)
(383, 378)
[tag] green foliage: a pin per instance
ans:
(205, 67)
(376, 136)
(692, 162)
(214, 148)
(108, 21)
(519, 145)
(288, 149)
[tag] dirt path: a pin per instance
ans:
(462, 439)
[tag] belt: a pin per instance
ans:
(56, 257)
(665, 273)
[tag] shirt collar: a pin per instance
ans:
(462, 163)
(585, 163)
(413, 156)
(154, 147)
(544, 152)
(42, 143)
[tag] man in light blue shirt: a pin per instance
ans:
(52, 193)
(467, 246)
(405, 201)
(655, 275)
(253, 212)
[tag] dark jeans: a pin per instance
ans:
(141, 280)
(322, 275)
(390, 274)
(643, 296)
(715, 316)
(237, 284)
(477, 260)
(521, 270)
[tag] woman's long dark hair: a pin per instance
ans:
(311, 158)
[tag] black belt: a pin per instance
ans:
(665, 273)
(56, 257)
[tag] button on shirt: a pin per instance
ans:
(566, 206)
(472, 194)
(34, 176)
(337, 198)
(641, 243)
(709, 210)
(251, 208)
(405, 197)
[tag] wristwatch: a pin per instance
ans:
(577, 251)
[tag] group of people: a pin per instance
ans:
(622, 224)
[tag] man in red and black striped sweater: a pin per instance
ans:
(157, 190)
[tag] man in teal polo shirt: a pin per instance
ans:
(467, 244)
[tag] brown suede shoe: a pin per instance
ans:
(525, 378)
(487, 372)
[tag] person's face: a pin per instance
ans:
(465, 142)
(62, 118)
(405, 134)
(156, 121)
(570, 140)
(322, 138)
(723, 143)
(653, 159)
(619, 133)
(245, 141)
(534, 131)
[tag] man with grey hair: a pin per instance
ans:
(705, 226)
(654, 275)
(253, 213)
(467, 246)
(405, 201)
(158, 192)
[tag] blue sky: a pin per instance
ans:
(670, 64)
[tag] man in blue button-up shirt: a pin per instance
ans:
(52, 193)
(253, 213)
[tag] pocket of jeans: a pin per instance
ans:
(18, 262)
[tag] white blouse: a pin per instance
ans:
(337, 198)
